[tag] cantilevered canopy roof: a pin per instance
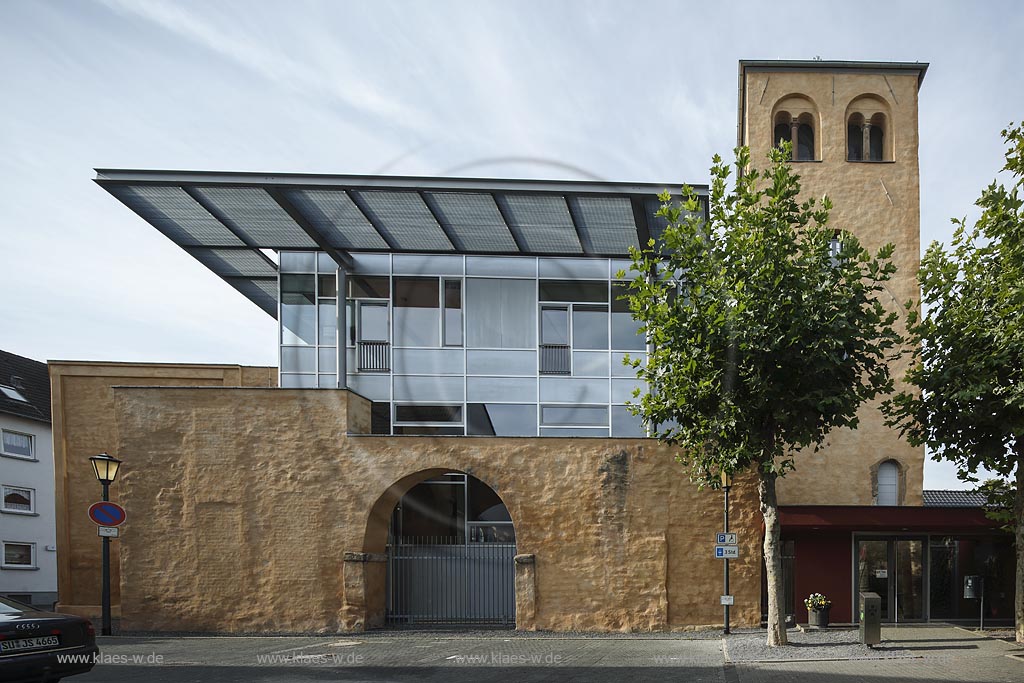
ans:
(225, 219)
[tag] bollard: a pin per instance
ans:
(870, 618)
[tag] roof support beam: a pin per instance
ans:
(340, 257)
(437, 219)
(575, 224)
(643, 228)
(358, 203)
(213, 211)
(508, 223)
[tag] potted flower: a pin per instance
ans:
(817, 610)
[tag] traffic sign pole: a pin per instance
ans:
(105, 597)
(725, 630)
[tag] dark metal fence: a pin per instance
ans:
(445, 580)
(555, 359)
(374, 356)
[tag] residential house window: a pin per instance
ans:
(17, 444)
(19, 555)
(12, 393)
(18, 499)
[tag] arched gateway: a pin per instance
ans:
(450, 546)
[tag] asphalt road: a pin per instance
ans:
(922, 653)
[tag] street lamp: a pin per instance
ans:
(105, 466)
(726, 485)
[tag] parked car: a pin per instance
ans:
(43, 646)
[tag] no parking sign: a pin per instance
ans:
(107, 514)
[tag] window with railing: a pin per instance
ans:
(555, 359)
(374, 356)
(369, 326)
(573, 317)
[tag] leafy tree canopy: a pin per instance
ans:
(767, 333)
(766, 322)
(968, 403)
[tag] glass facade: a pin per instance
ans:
(309, 321)
(475, 345)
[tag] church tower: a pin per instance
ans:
(855, 138)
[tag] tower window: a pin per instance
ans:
(797, 126)
(868, 131)
(855, 138)
(888, 483)
(876, 137)
(782, 134)
(805, 143)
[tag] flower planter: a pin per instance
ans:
(818, 618)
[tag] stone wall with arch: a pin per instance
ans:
(263, 512)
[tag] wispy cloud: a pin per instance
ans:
(336, 81)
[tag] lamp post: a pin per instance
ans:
(726, 485)
(105, 467)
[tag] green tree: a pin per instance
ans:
(999, 496)
(967, 405)
(767, 333)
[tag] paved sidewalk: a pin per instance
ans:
(911, 653)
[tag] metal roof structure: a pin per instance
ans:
(226, 219)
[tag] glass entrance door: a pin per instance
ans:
(894, 569)
(908, 579)
(873, 573)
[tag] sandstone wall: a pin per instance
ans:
(879, 202)
(254, 510)
(83, 425)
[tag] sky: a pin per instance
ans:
(629, 91)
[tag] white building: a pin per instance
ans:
(28, 564)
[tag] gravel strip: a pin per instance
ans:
(1007, 634)
(828, 644)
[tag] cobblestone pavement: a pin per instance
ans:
(912, 653)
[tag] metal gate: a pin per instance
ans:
(447, 580)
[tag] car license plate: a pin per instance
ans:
(28, 643)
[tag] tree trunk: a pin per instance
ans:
(1018, 526)
(773, 559)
